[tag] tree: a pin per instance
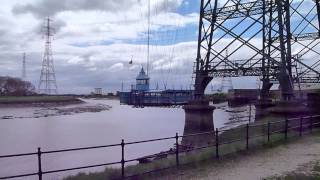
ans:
(10, 86)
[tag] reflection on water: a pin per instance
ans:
(21, 135)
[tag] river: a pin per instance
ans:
(25, 131)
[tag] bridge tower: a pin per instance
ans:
(260, 36)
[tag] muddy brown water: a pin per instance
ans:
(25, 128)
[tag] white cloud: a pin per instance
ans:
(91, 46)
(116, 67)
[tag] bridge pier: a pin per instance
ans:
(198, 119)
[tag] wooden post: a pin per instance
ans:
(268, 131)
(247, 137)
(177, 149)
(122, 158)
(39, 164)
(217, 143)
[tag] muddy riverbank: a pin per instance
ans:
(52, 108)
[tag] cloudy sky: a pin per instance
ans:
(95, 40)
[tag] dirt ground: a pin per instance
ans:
(260, 164)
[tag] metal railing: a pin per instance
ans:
(305, 124)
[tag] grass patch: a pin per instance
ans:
(316, 167)
(206, 157)
(294, 176)
(36, 99)
(313, 175)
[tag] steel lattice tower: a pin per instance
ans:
(226, 82)
(264, 38)
(47, 84)
(24, 72)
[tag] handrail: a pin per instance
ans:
(80, 167)
(216, 142)
(78, 149)
(17, 155)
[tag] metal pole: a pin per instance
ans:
(268, 131)
(39, 164)
(289, 37)
(263, 44)
(300, 130)
(247, 138)
(177, 149)
(311, 123)
(285, 53)
(122, 158)
(197, 87)
(217, 143)
(249, 113)
(148, 50)
(318, 13)
(286, 129)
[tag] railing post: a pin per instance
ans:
(268, 131)
(249, 113)
(300, 129)
(217, 143)
(247, 137)
(286, 129)
(39, 164)
(177, 149)
(122, 158)
(311, 123)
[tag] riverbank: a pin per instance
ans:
(237, 162)
(297, 158)
(37, 107)
(92, 129)
(217, 98)
(20, 101)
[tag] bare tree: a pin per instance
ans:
(15, 87)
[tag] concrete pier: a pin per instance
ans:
(198, 119)
(290, 108)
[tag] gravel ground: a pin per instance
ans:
(259, 164)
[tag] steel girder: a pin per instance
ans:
(275, 39)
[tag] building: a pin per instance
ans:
(142, 81)
(98, 91)
(141, 95)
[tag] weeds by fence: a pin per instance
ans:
(252, 134)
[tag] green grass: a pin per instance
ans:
(198, 158)
(35, 99)
(316, 168)
(294, 176)
(313, 175)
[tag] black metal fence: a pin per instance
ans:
(294, 126)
